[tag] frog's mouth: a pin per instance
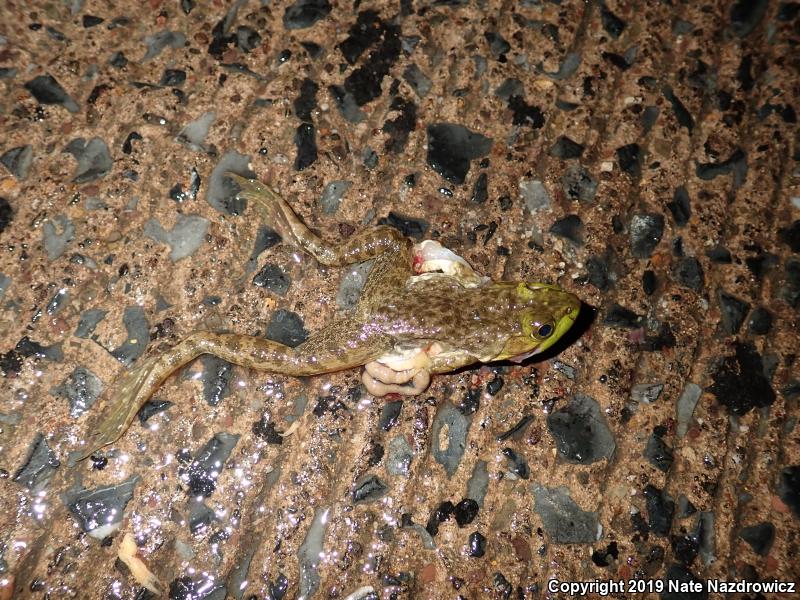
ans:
(525, 356)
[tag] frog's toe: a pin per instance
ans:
(125, 401)
(271, 206)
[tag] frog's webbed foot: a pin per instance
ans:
(274, 210)
(431, 259)
(125, 400)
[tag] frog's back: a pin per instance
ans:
(441, 309)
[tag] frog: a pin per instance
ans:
(423, 311)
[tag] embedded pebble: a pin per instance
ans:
(172, 78)
(660, 510)
(646, 230)
(476, 544)
(745, 16)
(94, 159)
(18, 160)
(247, 38)
(201, 587)
(565, 148)
(466, 511)
(509, 88)
(185, 237)
(570, 228)
(790, 290)
(739, 382)
(791, 235)
(201, 475)
(5, 281)
(151, 408)
(733, 311)
(399, 456)
(646, 392)
(138, 330)
(597, 272)
(516, 432)
(517, 463)
(578, 184)
(563, 520)
(332, 195)
(759, 536)
(390, 414)
(457, 427)
(369, 488)
(306, 141)
(408, 226)
(760, 321)
(158, 41)
(82, 388)
(658, 453)
(478, 484)
(480, 193)
(789, 488)
(399, 128)
(39, 467)
(689, 273)
(100, 511)
(682, 115)
(736, 164)
(419, 82)
(6, 214)
(272, 278)
(55, 242)
(286, 327)
(439, 515)
(47, 90)
(451, 148)
(685, 406)
(89, 319)
(194, 133)
(221, 192)
(567, 67)
(535, 194)
(57, 302)
(306, 101)
(304, 13)
(346, 103)
(580, 431)
(613, 25)
(216, 379)
(621, 317)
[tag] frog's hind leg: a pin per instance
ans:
(343, 344)
(279, 215)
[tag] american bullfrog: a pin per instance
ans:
(423, 310)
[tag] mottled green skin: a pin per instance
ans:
(494, 321)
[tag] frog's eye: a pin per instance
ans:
(545, 330)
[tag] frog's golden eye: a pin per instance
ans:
(545, 330)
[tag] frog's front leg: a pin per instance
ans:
(342, 345)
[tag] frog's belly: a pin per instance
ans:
(406, 370)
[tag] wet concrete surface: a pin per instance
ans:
(644, 157)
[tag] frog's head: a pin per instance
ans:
(546, 313)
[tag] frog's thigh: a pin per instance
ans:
(389, 274)
(340, 345)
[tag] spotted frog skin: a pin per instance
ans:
(423, 310)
